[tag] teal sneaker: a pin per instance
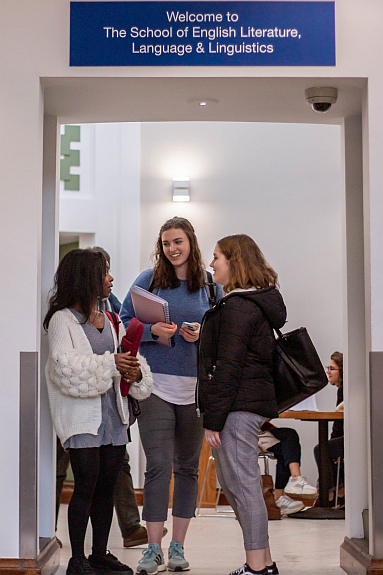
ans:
(177, 561)
(152, 561)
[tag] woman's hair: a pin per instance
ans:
(164, 275)
(247, 264)
(337, 357)
(78, 280)
(104, 252)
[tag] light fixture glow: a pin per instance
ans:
(181, 192)
(203, 102)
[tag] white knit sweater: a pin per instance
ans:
(76, 378)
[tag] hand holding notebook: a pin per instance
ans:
(150, 308)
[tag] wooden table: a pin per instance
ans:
(324, 511)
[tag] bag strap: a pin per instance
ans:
(115, 321)
(210, 287)
(151, 285)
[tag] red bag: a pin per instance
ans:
(131, 342)
(132, 339)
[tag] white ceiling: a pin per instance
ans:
(81, 100)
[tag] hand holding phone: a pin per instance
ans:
(189, 325)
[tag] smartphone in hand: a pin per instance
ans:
(189, 325)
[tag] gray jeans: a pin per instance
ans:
(172, 437)
(239, 474)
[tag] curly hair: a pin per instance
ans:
(78, 280)
(164, 274)
(247, 264)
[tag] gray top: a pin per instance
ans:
(111, 431)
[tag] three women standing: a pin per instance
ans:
(170, 431)
(236, 389)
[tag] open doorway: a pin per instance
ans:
(273, 112)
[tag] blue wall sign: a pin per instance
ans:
(202, 33)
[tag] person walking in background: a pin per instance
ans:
(90, 416)
(171, 433)
(235, 384)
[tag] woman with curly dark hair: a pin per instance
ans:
(171, 433)
(90, 416)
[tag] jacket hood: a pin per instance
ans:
(270, 301)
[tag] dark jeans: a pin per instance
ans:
(95, 471)
(286, 452)
(336, 449)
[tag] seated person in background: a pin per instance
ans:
(283, 443)
(336, 442)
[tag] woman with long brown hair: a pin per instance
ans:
(171, 433)
(235, 384)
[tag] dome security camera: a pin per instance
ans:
(321, 99)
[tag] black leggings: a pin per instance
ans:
(95, 471)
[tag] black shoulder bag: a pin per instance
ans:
(298, 371)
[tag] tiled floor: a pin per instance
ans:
(214, 545)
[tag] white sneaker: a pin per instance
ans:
(299, 486)
(288, 505)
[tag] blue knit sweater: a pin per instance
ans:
(183, 306)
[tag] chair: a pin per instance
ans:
(218, 512)
(339, 462)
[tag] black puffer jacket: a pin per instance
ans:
(235, 356)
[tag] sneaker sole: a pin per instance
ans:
(302, 495)
(109, 571)
(145, 572)
(284, 513)
(178, 568)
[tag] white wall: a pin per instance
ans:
(108, 203)
(35, 38)
(279, 183)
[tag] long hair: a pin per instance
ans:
(247, 264)
(164, 275)
(337, 357)
(78, 280)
